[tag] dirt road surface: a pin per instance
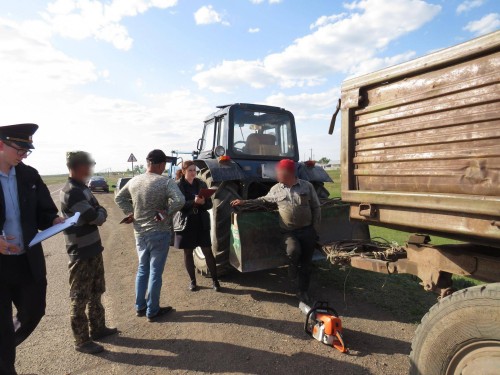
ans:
(254, 327)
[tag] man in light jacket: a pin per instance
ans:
(149, 201)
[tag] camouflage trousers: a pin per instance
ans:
(86, 280)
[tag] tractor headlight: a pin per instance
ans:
(219, 151)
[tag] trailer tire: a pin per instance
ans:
(460, 332)
(227, 191)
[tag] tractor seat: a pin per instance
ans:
(261, 144)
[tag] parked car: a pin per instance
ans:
(98, 183)
(121, 183)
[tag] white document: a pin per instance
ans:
(53, 230)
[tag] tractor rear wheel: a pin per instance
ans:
(460, 334)
(227, 191)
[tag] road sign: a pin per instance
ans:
(132, 159)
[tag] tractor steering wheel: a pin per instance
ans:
(241, 148)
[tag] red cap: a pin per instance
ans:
(287, 164)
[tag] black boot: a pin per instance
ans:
(216, 285)
(192, 286)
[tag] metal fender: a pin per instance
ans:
(221, 171)
(314, 174)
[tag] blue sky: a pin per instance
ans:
(119, 76)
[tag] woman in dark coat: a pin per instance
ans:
(192, 224)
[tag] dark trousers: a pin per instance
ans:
(87, 284)
(300, 245)
(18, 287)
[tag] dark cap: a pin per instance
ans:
(157, 157)
(75, 158)
(20, 134)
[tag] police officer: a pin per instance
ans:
(86, 267)
(25, 207)
(300, 215)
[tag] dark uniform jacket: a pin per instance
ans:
(181, 217)
(38, 212)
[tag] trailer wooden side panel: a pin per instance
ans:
(421, 143)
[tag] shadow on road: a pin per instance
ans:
(213, 317)
(364, 344)
(218, 357)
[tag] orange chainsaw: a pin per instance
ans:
(323, 324)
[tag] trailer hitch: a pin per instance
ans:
(334, 118)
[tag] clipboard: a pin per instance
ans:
(206, 193)
(55, 229)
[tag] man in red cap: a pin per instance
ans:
(300, 214)
(25, 207)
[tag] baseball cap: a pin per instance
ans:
(156, 157)
(286, 164)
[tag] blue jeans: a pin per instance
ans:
(152, 250)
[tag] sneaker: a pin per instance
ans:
(303, 297)
(89, 347)
(140, 313)
(216, 286)
(161, 312)
(193, 287)
(103, 333)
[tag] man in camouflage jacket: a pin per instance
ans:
(83, 243)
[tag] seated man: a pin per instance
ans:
(300, 215)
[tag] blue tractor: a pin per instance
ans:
(237, 154)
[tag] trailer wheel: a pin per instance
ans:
(227, 191)
(460, 334)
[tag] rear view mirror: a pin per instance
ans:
(199, 145)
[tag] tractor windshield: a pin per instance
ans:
(263, 134)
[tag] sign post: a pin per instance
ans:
(132, 159)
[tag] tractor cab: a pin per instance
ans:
(249, 132)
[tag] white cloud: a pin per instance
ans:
(468, 5)
(335, 46)
(377, 63)
(253, 30)
(324, 20)
(30, 64)
(82, 19)
(207, 15)
(41, 84)
(199, 67)
(485, 25)
(307, 106)
(230, 74)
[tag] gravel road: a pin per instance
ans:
(254, 327)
